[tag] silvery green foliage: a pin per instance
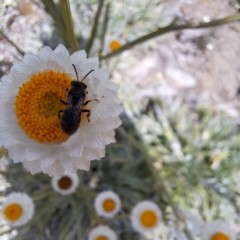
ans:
(198, 153)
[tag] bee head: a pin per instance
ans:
(79, 84)
(77, 73)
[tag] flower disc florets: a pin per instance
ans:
(30, 103)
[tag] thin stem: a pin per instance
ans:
(67, 18)
(95, 26)
(173, 27)
(51, 7)
(12, 43)
(104, 30)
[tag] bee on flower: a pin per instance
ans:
(18, 209)
(36, 96)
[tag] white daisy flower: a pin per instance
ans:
(217, 230)
(113, 43)
(30, 102)
(146, 217)
(107, 204)
(18, 209)
(67, 184)
(176, 226)
(102, 233)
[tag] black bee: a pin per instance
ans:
(71, 117)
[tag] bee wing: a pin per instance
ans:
(80, 102)
(70, 105)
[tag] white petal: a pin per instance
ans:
(33, 167)
(30, 58)
(60, 49)
(68, 163)
(46, 161)
(55, 170)
(109, 124)
(83, 164)
(93, 153)
(35, 151)
(78, 57)
(18, 67)
(46, 53)
(108, 137)
(17, 153)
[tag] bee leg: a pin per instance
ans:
(88, 113)
(63, 102)
(59, 116)
(87, 102)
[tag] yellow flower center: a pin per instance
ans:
(114, 45)
(65, 182)
(37, 105)
(109, 205)
(148, 218)
(101, 238)
(220, 236)
(13, 212)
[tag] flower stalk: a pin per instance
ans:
(12, 43)
(67, 18)
(94, 28)
(173, 27)
(104, 28)
(51, 7)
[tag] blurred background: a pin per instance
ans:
(181, 95)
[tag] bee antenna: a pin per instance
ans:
(87, 74)
(75, 71)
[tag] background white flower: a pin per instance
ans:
(113, 43)
(74, 152)
(146, 217)
(176, 226)
(67, 184)
(107, 204)
(18, 209)
(217, 230)
(102, 231)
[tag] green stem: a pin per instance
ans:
(158, 178)
(67, 18)
(104, 30)
(12, 43)
(173, 27)
(51, 7)
(95, 26)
